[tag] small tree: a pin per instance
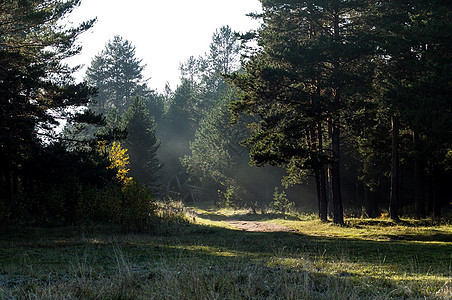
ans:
(280, 202)
(119, 160)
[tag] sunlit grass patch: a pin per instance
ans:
(205, 259)
(208, 251)
(206, 221)
(373, 230)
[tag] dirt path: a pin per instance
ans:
(241, 222)
(255, 226)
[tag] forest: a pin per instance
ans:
(332, 122)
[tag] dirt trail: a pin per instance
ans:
(242, 222)
(256, 226)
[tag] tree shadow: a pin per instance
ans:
(410, 259)
(214, 216)
(359, 223)
(207, 246)
(408, 249)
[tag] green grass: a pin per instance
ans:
(209, 259)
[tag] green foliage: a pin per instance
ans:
(37, 90)
(218, 159)
(324, 71)
(410, 83)
(299, 83)
(317, 75)
(43, 181)
(293, 82)
(216, 151)
(131, 206)
(205, 72)
(280, 202)
(413, 81)
(88, 192)
(177, 128)
(112, 129)
(142, 145)
(117, 74)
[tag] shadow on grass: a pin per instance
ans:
(432, 247)
(214, 216)
(233, 256)
(265, 243)
(426, 237)
(359, 223)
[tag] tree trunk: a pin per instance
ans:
(323, 199)
(394, 197)
(436, 201)
(329, 176)
(323, 204)
(320, 179)
(370, 199)
(419, 175)
(338, 215)
(317, 187)
(430, 190)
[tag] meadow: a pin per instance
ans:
(211, 256)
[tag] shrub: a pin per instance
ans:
(131, 206)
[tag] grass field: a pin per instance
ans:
(211, 259)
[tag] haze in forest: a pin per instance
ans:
(341, 107)
(308, 159)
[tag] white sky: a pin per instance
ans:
(164, 32)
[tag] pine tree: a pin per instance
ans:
(299, 83)
(37, 89)
(178, 127)
(205, 72)
(217, 158)
(117, 74)
(142, 145)
(413, 83)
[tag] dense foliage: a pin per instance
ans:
(50, 177)
(142, 145)
(352, 97)
(325, 70)
(130, 106)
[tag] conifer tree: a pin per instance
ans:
(413, 81)
(299, 82)
(205, 72)
(142, 145)
(117, 74)
(37, 89)
(178, 127)
(217, 158)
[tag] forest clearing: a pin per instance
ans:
(309, 157)
(210, 258)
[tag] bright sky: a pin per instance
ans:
(164, 32)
